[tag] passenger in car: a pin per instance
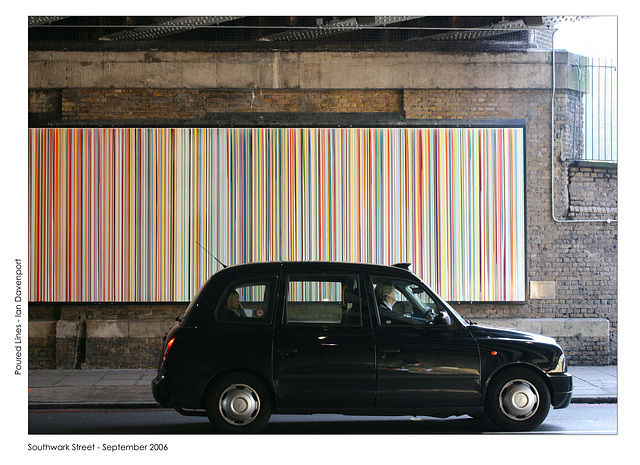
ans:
(232, 308)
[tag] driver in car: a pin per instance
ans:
(386, 296)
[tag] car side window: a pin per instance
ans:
(325, 300)
(402, 302)
(245, 302)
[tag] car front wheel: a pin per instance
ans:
(238, 403)
(518, 400)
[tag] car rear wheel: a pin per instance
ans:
(238, 403)
(518, 400)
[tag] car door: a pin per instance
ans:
(226, 337)
(323, 352)
(424, 358)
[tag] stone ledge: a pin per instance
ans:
(554, 327)
(43, 329)
(610, 165)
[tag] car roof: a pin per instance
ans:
(311, 266)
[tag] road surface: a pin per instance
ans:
(577, 419)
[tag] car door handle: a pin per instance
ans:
(390, 351)
(287, 352)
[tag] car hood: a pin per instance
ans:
(492, 333)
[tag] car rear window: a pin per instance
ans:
(323, 300)
(246, 302)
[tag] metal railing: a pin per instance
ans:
(599, 87)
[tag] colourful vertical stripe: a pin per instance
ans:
(129, 214)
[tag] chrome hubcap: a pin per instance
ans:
(239, 404)
(519, 399)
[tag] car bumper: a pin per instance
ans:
(161, 392)
(178, 392)
(561, 389)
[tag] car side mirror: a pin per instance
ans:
(443, 318)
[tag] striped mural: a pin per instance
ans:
(136, 214)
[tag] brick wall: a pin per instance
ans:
(196, 104)
(476, 104)
(579, 258)
(93, 335)
(44, 101)
(592, 190)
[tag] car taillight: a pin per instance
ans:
(166, 351)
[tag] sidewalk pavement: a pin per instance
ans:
(131, 388)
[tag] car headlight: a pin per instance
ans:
(561, 365)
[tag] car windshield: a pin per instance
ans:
(417, 294)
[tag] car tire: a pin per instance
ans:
(238, 403)
(517, 400)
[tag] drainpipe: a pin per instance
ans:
(553, 156)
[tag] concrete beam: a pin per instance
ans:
(297, 70)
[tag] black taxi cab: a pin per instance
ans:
(348, 338)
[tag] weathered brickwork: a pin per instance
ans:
(65, 352)
(586, 350)
(579, 257)
(593, 191)
(42, 353)
(488, 104)
(196, 104)
(123, 352)
(44, 100)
